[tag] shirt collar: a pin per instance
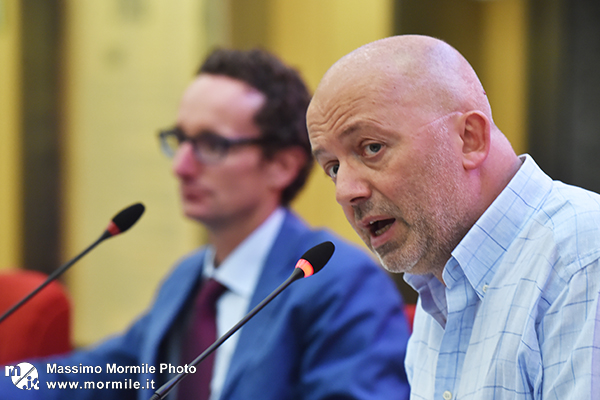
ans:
(240, 270)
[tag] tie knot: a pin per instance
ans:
(210, 291)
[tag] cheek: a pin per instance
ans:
(246, 175)
(395, 189)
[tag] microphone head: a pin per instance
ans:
(315, 258)
(125, 219)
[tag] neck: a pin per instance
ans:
(226, 237)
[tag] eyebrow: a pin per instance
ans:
(316, 154)
(351, 129)
(201, 132)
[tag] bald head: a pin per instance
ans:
(422, 71)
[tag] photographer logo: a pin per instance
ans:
(23, 375)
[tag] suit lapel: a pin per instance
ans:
(278, 267)
(171, 302)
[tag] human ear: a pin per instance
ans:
(285, 166)
(475, 135)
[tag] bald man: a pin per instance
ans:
(506, 261)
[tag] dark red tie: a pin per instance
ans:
(200, 335)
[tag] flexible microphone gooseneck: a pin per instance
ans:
(119, 224)
(310, 263)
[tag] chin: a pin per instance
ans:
(391, 266)
(399, 260)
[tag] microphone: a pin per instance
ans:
(311, 262)
(119, 224)
(123, 220)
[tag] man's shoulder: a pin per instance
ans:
(572, 214)
(563, 236)
(568, 201)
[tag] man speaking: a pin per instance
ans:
(506, 261)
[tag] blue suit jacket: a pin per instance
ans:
(339, 334)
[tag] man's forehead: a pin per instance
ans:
(344, 91)
(344, 137)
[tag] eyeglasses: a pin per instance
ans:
(209, 147)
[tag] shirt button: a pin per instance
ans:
(484, 288)
(447, 395)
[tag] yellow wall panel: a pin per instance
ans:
(10, 149)
(313, 34)
(128, 63)
(504, 50)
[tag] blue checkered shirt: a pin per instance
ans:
(519, 317)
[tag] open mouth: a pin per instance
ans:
(379, 227)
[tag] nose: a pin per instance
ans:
(184, 161)
(350, 187)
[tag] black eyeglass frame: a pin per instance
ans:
(209, 147)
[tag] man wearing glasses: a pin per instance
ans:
(241, 153)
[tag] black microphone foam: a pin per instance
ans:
(125, 219)
(319, 255)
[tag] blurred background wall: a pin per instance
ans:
(85, 85)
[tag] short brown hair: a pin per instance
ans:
(282, 118)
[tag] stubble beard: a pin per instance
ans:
(422, 251)
(397, 254)
(434, 223)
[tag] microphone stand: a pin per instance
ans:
(54, 275)
(119, 224)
